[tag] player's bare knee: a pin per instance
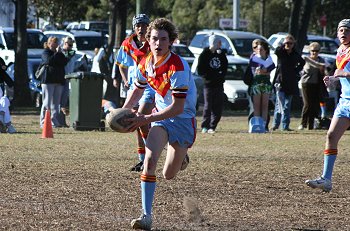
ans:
(168, 175)
(331, 136)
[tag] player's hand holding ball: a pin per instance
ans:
(117, 119)
(125, 120)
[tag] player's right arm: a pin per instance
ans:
(134, 97)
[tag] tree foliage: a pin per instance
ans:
(193, 15)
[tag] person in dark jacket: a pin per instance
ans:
(290, 63)
(53, 82)
(212, 66)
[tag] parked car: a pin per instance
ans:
(99, 26)
(35, 41)
(87, 41)
(183, 51)
(237, 43)
(72, 26)
(234, 87)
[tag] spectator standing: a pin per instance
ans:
(289, 64)
(73, 65)
(312, 86)
(341, 118)
(129, 55)
(52, 86)
(261, 65)
(212, 66)
(174, 121)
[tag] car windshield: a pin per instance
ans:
(182, 51)
(243, 46)
(34, 40)
(99, 26)
(235, 71)
(88, 43)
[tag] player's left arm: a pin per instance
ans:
(174, 109)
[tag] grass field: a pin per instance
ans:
(235, 181)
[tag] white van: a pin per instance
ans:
(237, 43)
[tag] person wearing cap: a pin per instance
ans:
(212, 66)
(341, 117)
(312, 86)
(128, 57)
(289, 64)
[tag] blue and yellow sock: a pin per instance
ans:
(148, 187)
(141, 153)
(330, 155)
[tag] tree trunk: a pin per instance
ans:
(294, 18)
(305, 18)
(262, 17)
(21, 89)
(121, 16)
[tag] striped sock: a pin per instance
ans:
(148, 187)
(330, 155)
(141, 153)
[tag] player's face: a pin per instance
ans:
(344, 35)
(159, 42)
(140, 30)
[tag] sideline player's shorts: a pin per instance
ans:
(181, 130)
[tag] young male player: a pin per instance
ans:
(174, 122)
(131, 52)
(341, 118)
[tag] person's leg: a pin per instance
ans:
(277, 113)
(156, 141)
(217, 107)
(265, 106)
(142, 133)
(339, 124)
(207, 108)
(46, 90)
(55, 104)
(257, 105)
(173, 161)
(336, 130)
(286, 109)
(305, 110)
(64, 104)
(314, 102)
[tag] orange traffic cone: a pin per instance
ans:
(47, 128)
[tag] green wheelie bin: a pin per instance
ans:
(85, 101)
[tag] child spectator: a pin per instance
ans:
(5, 118)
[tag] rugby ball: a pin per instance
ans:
(116, 119)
